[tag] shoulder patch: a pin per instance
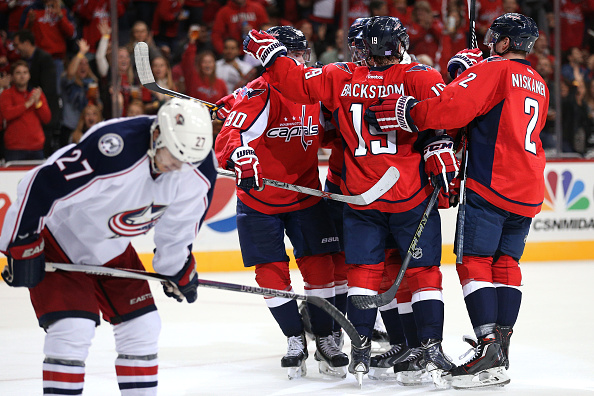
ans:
(111, 144)
(250, 92)
(344, 67)
(420, 67)
(494, 59)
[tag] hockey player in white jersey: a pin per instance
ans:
(83, 205)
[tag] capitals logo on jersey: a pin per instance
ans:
(250, 92)
(136, 221)
(293, 129)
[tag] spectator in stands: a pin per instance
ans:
(162, 73)
(334, 52)
(145, 9)
(235, 72)
(129, 84)
(486, 12)
(50, 23)
(454, 36)
(25, 110)
(541, 49)
(544, 67)
(75, 90)
(401, 10)
(425, 31)
(91, 13)
(574, 69)
(90, 116)
(42, 70)
(235, 19)
(316, 45)
(378, 8)
(166, 24)
(200, 74)
(572, 23)
(140, 32)
(135, 108)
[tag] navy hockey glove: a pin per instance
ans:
(463, 60)
(184, 284)
(441, 164)
(26, 263)
(392, 112)
(248, 172)
(263, 47)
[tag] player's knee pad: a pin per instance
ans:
(506, 270)
(69, 339)
(317, 269)
(274, 275)
(475, 268)
(423, 278)
(138, 336)
(365, 276)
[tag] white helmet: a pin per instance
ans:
(185, 130)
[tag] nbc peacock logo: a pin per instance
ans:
(564, 192)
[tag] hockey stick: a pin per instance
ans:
(384, 184)
(263, 291)
(368, 302)
(472, 43)
(145, 74)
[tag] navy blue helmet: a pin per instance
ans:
(355, 39)
(521, 30)
(385, 36)
(292, 38)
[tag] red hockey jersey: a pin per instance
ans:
(347, 91)
(506, 104)
(286, 138)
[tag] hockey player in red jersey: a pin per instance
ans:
(83, 206)
(347, 90)
(267, 135)
(504, 101)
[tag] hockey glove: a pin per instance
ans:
(263, 47)
(392, 112)
(184, 284)
(452, 197)
(26, 263)
(463, 60)
(441, 164)
(248, 172)
(225, 104)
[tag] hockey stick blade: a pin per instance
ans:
(368, 302)
(151, 276)
(145, 74)
(386, 182)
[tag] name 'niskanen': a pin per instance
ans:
(523, 81)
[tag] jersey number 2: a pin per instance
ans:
(376, 146)
(529, 106)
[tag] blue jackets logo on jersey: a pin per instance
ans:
(111, 144)
(136, 221)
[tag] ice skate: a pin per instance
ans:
(380, 364)
(380, 341)
(331, 360)
(485, 368)
(503, 334)
(338, 338)
(296, 355)
(411, 371)
(306, 320)
(437, 363)
(360, 357)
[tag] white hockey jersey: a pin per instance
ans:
(95, 196)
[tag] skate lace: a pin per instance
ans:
(328, 346)
(473, 345)
(392, 352)
(295, 346)
(414, 354)
(478, 352)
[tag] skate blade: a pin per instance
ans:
(359, 376)
(414, 378)
(326, 369)
(297, 372)
(381, 374)
(496, 376)
(440, 381)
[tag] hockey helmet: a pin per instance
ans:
(355, 39)
(185, 129)
(521, 30)
(293, 39)
(385, 36)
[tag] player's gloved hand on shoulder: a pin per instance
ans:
(25, 262)
(392, 112)
(184, 284)
(464, 60)
(263, 47)
(441, 164)
(248, 172)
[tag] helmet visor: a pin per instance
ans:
(491, 37)
(306, 53)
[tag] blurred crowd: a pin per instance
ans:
(56, 70)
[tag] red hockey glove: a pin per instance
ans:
(263, 47)
(392, 112)
(464, 60)
(184, 284)
(226, 104)
(441, 164)
(248, 172)
(25, 263)
(452, 197)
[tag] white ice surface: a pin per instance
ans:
(227, 343)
